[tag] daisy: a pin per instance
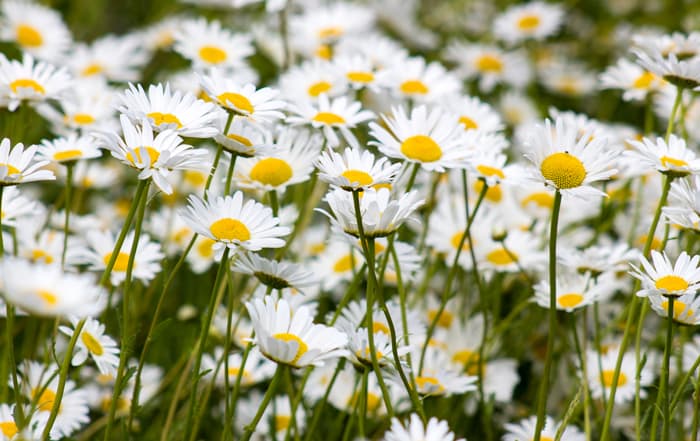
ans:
(292, 338)
(601, 371)
(358, 70)
(669, 280)
(95, 343)
(256, 370)
(355, 169)
(418, 80)
(490, 65)
(345, 394)
(439, 377)
(525, 430)
(568, 160)
(276, 421)
(573, 292)
(29, 81)
(245, 138)
(636, 82)
(381, 215)
(519, 249)
(37, 29)
(16, 206)
(67, 150)
(154, 156)
(8, 427)
(115, 58)
(674, 158)
(177, 111)
(275, 274)
(291, 163)
(208, 44)
(261, 105)
(359, 352)
(337, 262)
(98, 251)
(45, 290)
(17, 165)
(203, 254)
(311, 79)
(426, 137)
(435, 430)
(474, 114)
(380, 50)
(683, 73)
(684, 203)
(330, 115)
(686, 308)
(328, 24)
(571, 79)
(232, 223)
(46, 247)
(535, 20)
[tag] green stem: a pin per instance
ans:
(674, 110)
(229, 174)
(250, 428)
(584, 375)
(2, 244)
(274, 203)
(681, 385)
(544, 385)
(362, 398)
(69, 193)
(321, 404)
(63, 376)
(9, 324)
(664, 386)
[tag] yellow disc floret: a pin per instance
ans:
(271, 171)
(421, 148)
(564, 170)
(228, 229)
(301, 350)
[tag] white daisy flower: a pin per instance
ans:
(292, 338)
(414, 430)
(440, 377)
(115, 58)
(329, 115)
(232, 223)
(600, 381)
(380, 50)
(68, 149)
(245, 138)
(359, 71)
(669, 280)
(683, 73)
(358, 348)
(474, 114)
(345, 395)
(47, 247)
(202, 256)
(261, 105)
(18, 165)
(328, 24)
(8, 427)
(37, 29)
(93, 342)
(673, 158)
(535, 20)
(569, 78)
(276, 421)
(490, 65)
(256, 370)
(568, 160)
(46, 290)
(16, 206)
(525, 430)
(275, 274)
(420, 81)
(355, 169)
(181, 112)
(636, 82)
(427, 137)
(29, 81)
(381, 215)
(155, 156)
(574, 291)
(311, 79)
(208, 44)
(684, 203)
(336, 263)
(686, 308)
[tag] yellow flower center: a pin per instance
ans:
(373, 401)
(240, 139)
(324, 51)
(153, 155)
(501, 257)
(644, 80)
(38, 255)
(330, 32)
(318, 88)
(528, 22)
(205, 247)
(608, 378)
(543, 438)
(421, 148)
(344, 264)
(68, 155)
(27, 83)
(564, 170)
(669, 162)
(570, 300)
(380, 327)
(45, 401)
(360, 77)
(487, 171)
(329, 118)
(271, 171)
(91, 343)
(489, 63)
(47, 296)
(284, 336)
(282, 422)
(120, 264)
(194, 177)
(679, 308)
(236, 100)
(230, 229)
(431, 384)
(541, 199)
(28, 36)
(493, 193)
(358, 176)
(92, 69)
(11, 170)
(8, 428)
(469, 359)
(83, 119)
(212, 54)
(457, 238)
(414, 87)
(445, 319)
(164, 118)
(468, 123)
(671, 283)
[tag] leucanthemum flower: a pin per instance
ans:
(669, 280)
(37, 29)
(414, 430)
(115, 58)
(673, 158)
(310, 80)
(686, 308)
(535, 20)
(418, 80)
(474, 114)
(273, 273)
(208, 44)
(232, 223)
(684, 203)
(359, 71)
(18, 165)
(600, 381)
(636, 82)
(46, 290)
(568, 160)
(355, 169)
(439, 376)
(574, 291)
(525, 430)
(257, 368)
(682, 73)
(381, 214)
(332, 114)
(261, 105)
(490, 65)
(427, 137)
(68, 149)
(155, 156)
(174, 110)
(327, 24)
(93, 342)
(292, 338)
(15, 206)
(245, 138)
(29, 81)
(359, 352)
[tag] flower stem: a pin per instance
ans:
(217, 157)
(663, 396)
(274, 202)
(9, 324)
(250, 428)
(674, 110)
(544, 385)
(229, 174)
(63, 376)
(69, 194)
(321, 404)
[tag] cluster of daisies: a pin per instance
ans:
(355, 241)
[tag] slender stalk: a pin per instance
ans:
(9, 325)
(229, 174)
(237, 384)
(274, 203)
(681, 385)
(544, 385)
(63, 376)
(227, 347)
(674, 110)
(696, 410)
(321, 404)
(250, 428)
(69, 192)
(217, 157)
(362, 398)
(293, 403)
(2, 245)
(584, 378)
(664, 386)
